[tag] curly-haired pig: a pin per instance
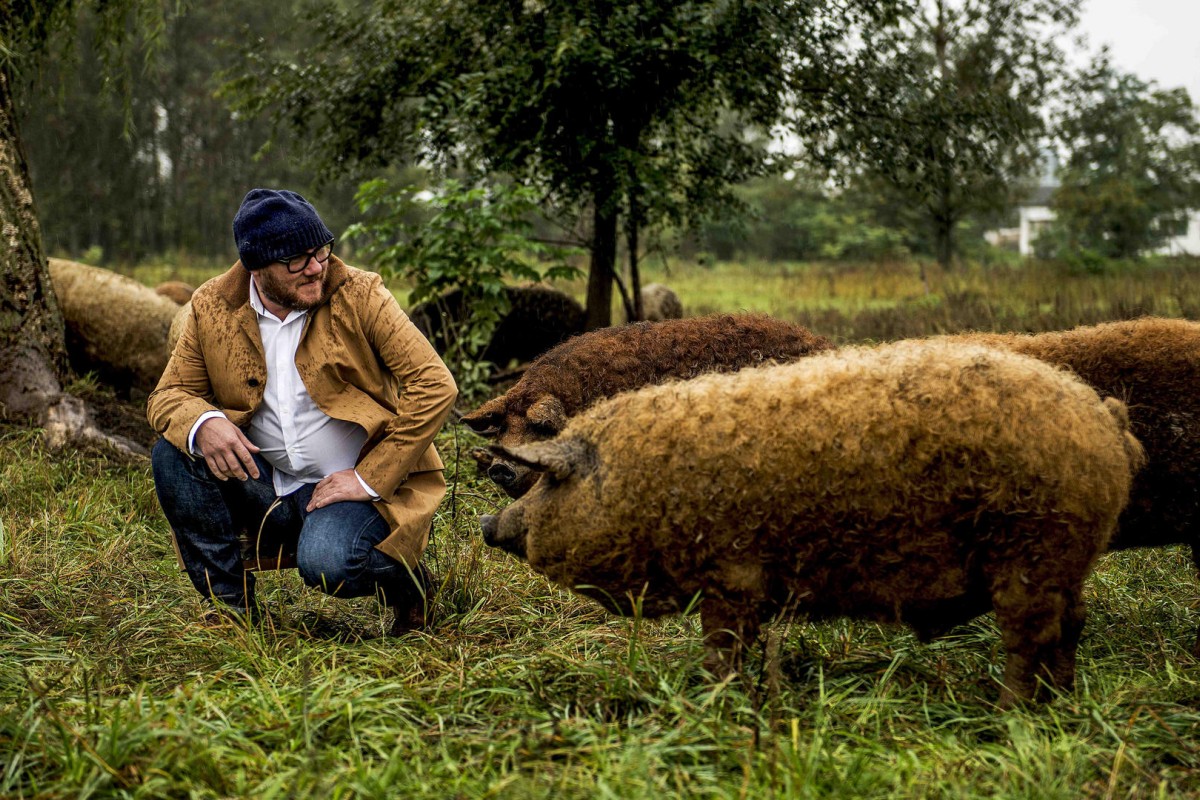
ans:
(1153, 365)
(922, 482)
(593, 366)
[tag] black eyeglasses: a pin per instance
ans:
(299, 262)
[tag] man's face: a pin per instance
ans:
(299, 291)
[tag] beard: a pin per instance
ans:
(288, 295)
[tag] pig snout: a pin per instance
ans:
(504, 531)
(502, 474)
(514, 479)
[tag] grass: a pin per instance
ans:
(854, 302)
(109, 688)
(877, 302)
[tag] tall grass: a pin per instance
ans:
(883, 301)
(877, 302)
(110, 688)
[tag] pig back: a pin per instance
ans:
(901, 463)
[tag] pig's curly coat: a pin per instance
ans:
(1153, 365)
(921, 482)
(115, 325)
(660, 302)
(589, 368)
(176, 291)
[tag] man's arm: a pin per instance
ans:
(184, 392)
(427, 393)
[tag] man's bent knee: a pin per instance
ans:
(324, 571)
(167, 461)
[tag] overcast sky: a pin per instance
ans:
(1154, 39)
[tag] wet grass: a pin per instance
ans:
(881, 302)
(853, 302)
(110, 688)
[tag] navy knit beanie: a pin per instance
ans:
(274, 224)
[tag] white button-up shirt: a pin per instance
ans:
(297, 438)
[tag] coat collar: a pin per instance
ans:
(234, 286)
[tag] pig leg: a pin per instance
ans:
(1038, 632)
(729, 628)
(1062, 658)
(1196, 562)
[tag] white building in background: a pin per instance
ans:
(1035, 214)
(1187, 240)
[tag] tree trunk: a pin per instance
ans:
(604, 257)
(33, 351)
(635, 277)
(943, 219)
(943, 242)
(32, 345)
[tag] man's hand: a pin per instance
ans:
(337, 488)
(226, 450)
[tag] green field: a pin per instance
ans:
(875, 302)
(110, 688)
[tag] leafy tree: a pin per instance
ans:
(638, 112)
(469, 239)
(32, 348)
(796, 217)
(1133, 166)
(948, 116)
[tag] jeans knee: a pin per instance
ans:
(324, 570)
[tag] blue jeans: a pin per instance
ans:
(334, 546)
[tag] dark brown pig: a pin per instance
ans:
(597, 365)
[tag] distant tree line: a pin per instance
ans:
(628, 122)
(159, 166)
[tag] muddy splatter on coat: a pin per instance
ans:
(920, 482)
(589, 368)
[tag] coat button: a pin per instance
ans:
(252, 382)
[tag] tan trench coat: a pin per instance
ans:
(361, 360)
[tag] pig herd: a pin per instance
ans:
(744, 467)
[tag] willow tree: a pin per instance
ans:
(33, 363)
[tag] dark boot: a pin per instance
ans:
(411, 608)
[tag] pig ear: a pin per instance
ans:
(487, 418)
(547, 415)
(559, 458)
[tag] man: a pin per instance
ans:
(300, 404)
